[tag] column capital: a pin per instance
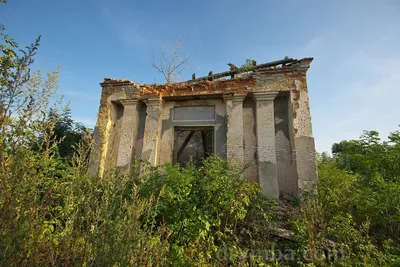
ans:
(238, 97)
(129, 102)
(265, 95)
(235, 97)
(154, 101)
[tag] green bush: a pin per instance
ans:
(172, 215)
(356, 203)
(204, 208)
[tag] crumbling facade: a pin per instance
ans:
(260, 117)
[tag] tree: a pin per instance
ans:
(171, 64)
(369, 156)
(359, 188)
(28, 117)
(22, 96)
(66, 133)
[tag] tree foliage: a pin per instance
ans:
(67, 133)
(370, 157)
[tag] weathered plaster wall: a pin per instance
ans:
(167, 133)
(250, 139)
(303, 140)
(287, 175)
(116, 111)
(111, 94)
(139, 139)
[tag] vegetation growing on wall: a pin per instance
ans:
(247, 66)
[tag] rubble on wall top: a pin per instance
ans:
(113, 81)
(285, 64)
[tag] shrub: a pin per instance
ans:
(204, 208)
(354, 207)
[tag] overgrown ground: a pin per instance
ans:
(53, 213)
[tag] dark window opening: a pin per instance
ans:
(193, 142)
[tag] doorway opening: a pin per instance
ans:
(193, 142)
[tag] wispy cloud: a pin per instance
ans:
(360, 85)
(126, 25)
(79, 94)
(68, 73)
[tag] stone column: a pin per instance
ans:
(234, 135)
(152, 130)
(129, 129)
(266, 152)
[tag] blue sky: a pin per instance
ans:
(354, 81)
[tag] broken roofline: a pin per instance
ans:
(240, 70)
(207, 86)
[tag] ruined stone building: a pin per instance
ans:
(259, 117)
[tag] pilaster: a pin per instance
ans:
(266, 152)
(152, 130)
(128, 135)
(234, 135)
